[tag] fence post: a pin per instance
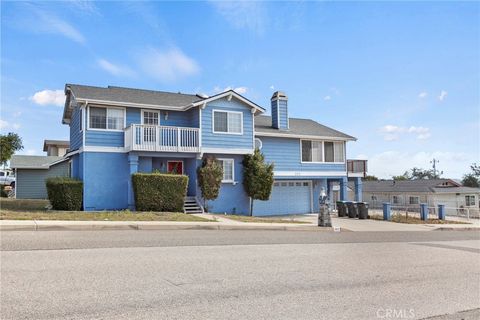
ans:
(441, 211)
(386, 211)
(423, 211)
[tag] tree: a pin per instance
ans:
(417, 174)
(400, 178)
(9, 144)
(210, 176)
(476, 169)
(257, 177)
(470, 180)
(370, 178)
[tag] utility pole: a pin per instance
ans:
(434, 164)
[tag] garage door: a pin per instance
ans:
(288, 197)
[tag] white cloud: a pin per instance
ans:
(31, 152)
(114, 69)
(422, 94)
(49, 97)
(443, 95)
(86, 6)
(250, 15)
(7, 125)
(50, 23)
(326, 98)
(239, 90)
(392, 163)
(392, 132)
(17, 114)
(272, 87)
(168, 65)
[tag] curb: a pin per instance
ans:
(457, 229)
(82, 226)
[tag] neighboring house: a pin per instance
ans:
(410, 193)
(115, 132)
(55, 147)
(32, 171)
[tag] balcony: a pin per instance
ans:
(357, 168)
(162, 138)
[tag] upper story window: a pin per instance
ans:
(106, 118)
(396, 200)
(322, 151)
(469, 201)
(413, 200)
(230, 122)
(228, 170)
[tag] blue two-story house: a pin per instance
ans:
(115, 132)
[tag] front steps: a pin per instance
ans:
(192, 206)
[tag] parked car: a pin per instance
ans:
(7, 178)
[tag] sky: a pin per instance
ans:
(402, 77)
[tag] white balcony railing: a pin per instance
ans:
(162, 138)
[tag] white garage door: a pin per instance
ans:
(288, 197)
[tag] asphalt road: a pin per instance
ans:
(239, 275)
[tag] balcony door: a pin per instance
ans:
(150, 119)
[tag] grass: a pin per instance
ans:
(13, 209)
(262, 220)
(414, 220)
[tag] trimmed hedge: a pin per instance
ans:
(65, 193)
(159, 192)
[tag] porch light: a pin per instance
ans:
(166, 115)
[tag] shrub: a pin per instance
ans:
(159, 192)
(210, 176)
(65, 193)
(3, 192)
(257, 177)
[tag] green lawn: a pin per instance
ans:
(13, 209)
(414, 220)
(262, 220)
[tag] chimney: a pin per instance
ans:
(280, 111)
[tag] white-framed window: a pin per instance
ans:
(227, 122)
(258, 144)
(322, 151)
(396, 200)
(228, 170)
(469, 200)
(150, 117)
(413, 200)
(100, 118)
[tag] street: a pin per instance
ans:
(216, 274)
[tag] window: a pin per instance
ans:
(469, 201)
(326, 151)
(413, 200)
(227, 122)
(258, 144)
(106, 118)
(2, 174)
(374, 198)
(150, 117)
(396, 200)
(228, 173)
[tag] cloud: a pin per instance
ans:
(249, 15)
(7, 125)
(272, 87)
(326, 98)
(239, 90)
(49, 23)
(168, 65)
(49, 97)
(389, 163)
(443, 95)
(85, 6)
(392, 132)
(31, 152)
(114, 69)
(422, 94)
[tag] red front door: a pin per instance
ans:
(175, 167)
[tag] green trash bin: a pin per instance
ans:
(352, 209)
(362, 210)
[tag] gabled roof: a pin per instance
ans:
(299, 128)
(130, 97)
(61, 143)
(34, 162)
(423, 185)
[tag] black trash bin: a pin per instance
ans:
(352, 209)
(362, 210)
(341, 210)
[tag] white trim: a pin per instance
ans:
(225, 94)
(227, 112)
(233, 169)
(199, 128)
(111, 130)
(183, 165)
(226, 151)
(102, 149)
(84, 119)
(310, 173)
(299, 136)
(107, 103)
(355, 174)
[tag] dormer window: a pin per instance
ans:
(227, 122)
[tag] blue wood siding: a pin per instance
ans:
(227, 141)
(187, 118)
(285, 153)
(280, 114)
(75, 133)
(104, 138)
(274, 114)
(133, 116)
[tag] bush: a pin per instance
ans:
(65, 193)
(159, 192)
(3, 192)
